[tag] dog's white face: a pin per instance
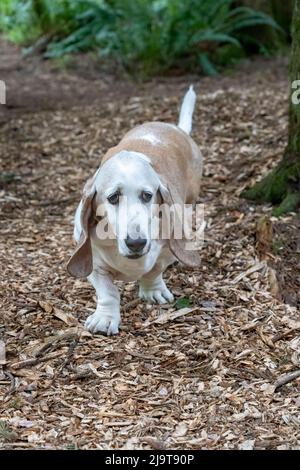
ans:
(127, 188)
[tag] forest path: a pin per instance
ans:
(204, 380)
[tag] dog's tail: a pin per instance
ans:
(186, 111)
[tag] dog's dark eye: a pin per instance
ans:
(146, 196)
(114, 198)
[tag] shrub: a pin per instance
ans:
(146, 36)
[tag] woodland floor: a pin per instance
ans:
(203, 380)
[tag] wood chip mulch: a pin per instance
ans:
(223, 374)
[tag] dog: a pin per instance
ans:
(155, 164)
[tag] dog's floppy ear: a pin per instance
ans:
(177, 246)
(81, 262)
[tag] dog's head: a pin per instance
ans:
(119, 202)
(126, 191)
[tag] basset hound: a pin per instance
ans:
(155, 164)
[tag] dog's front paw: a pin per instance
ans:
(103, 322)
(156, 294)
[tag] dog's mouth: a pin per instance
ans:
(135, 256)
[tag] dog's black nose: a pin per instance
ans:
(135, 244)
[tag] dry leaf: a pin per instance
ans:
(66, 318)
(180, 430)
(274, 286)
(46, 306)
(22, 422)
(169, 316)
(264, 236)
(247, 445)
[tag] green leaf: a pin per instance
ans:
(146, 36)
(206, 65)
(183, 303)
(7, 176)
(215, 37)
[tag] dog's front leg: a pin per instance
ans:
(154, 290)
(106, 318)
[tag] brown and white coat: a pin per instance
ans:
(155, 160)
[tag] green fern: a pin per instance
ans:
(147, 36)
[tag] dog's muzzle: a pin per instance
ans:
(135, 246)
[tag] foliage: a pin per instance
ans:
(6, 433)
(26, 20)
(146, 36)
(183, 303)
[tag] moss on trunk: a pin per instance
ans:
(282, 185)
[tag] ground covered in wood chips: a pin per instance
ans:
(208, 377)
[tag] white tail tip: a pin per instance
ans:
(186, 111)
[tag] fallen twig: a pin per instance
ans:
(33, 362)
(253, 269)
(17, 444)
(69, 355)
(55, 342)
(12, 383)
(141, 356)
(191, 319)
(283, 335)
(169, 316)
(285, 379)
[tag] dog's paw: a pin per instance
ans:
(103, 322)
(158, 294)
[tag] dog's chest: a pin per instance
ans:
(126, 269)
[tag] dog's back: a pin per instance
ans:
(173, 153)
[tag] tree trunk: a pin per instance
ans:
(282, 12)
(282, 185)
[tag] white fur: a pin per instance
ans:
(151, 138)
(155, 290)
(130, 172)
(107, 315)
(187, 109)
